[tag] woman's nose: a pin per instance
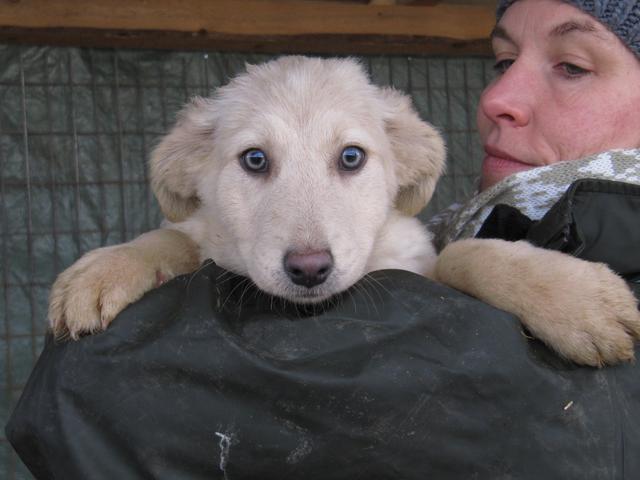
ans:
(510, 98)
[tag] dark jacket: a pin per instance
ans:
(399, 378)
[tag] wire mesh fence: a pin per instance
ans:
(76, 129)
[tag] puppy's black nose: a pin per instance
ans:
(308, 268)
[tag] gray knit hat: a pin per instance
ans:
(622, 17)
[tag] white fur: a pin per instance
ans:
(302, 112)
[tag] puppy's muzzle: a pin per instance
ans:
(308, 268)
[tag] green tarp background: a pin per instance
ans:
(76, 128)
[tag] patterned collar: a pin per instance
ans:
(532, 192)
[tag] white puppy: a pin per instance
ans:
(297, 167)
(303, 176)
(300, 174)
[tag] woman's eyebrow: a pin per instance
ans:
(561, 30)
(500, 32)
(572, 26)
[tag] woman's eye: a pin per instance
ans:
(352, 158)
(254, 160)
(571, 70)
(502, 66)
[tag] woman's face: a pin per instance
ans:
(566, 87)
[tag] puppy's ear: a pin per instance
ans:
(419, 151)
(176, 163)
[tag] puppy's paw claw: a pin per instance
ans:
(88, 295)
(601, 322)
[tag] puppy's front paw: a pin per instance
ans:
(87, 296)
(598, 318)
(581, 309)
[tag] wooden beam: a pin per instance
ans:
(275, 26)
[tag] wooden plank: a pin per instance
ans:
(251, 25)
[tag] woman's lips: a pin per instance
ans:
(498, 165)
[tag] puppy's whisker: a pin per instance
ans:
(195, 273)
(226, 280)
(257, 293)
(225, 277)
(298, 315)
(389, 292)
(248, 285)
(330, 302)
(363, 288)
(227, 273)
(326, 304)
(230, 295)
(373, 279)
(333, 301)
(369, 281)
(357, 288)
(353, 301)
(375, 286)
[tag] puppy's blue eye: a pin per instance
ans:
(254, 161)
(352, 158)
